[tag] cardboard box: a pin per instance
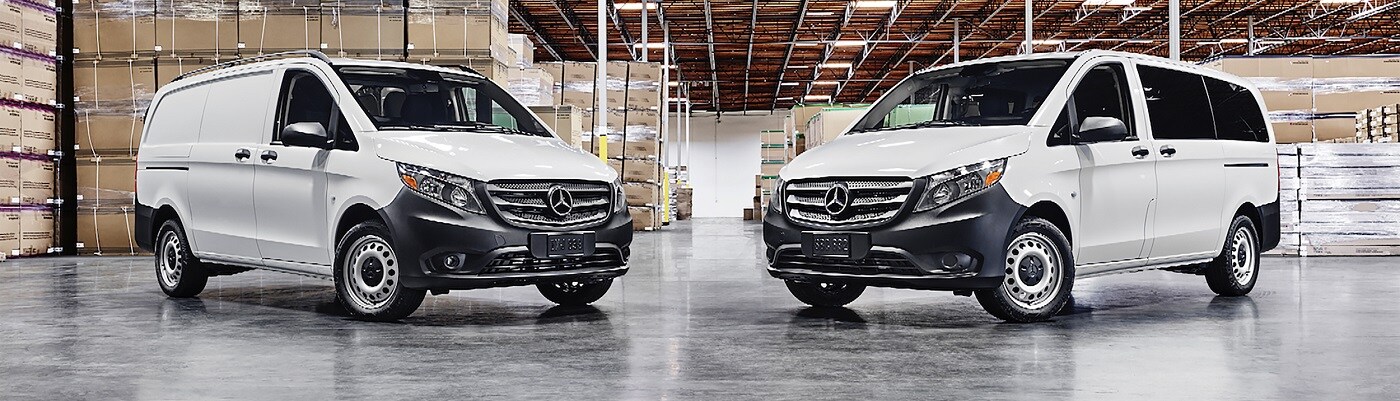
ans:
(40, 26)
(566, 121)
(1352, 101)
(641, 98)
(9, 180)
(114, 28)
(99, 133)
(1334, 128)
(524, 50)
(643, 218)
(1293, 132)
(11, 22)
(40, 82)
(531, 86)
(167, 68)
(1360, 66)
(36, 232)
(11, 117)
(9, 231)
(107, 232)
(455, 32)
(113, 84)
(36, 181)
(644, 118)
(270, 30)
(1293, 100)
(636, 170)
(769, 152)
(572, 72)
(639, 149)
(38, 128)
(11, 73)
(772, 137)
(770, 168)
(363, 31)
(199, 27)
(642, 193)
(107, 181)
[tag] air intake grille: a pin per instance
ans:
(529, 204)
(522, 262)
(877, 262)
(839, 203)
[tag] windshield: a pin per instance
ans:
(1006, 93)
(400, 98)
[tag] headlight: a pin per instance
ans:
(775, 202)
(443, 187)
(945, 187)
(619, 197)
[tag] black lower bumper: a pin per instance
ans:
(908, 251)
(492, 253)
(1270, 228)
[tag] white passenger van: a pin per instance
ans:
(393, 179)
(1011, 177)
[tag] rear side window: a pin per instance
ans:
(177, 117)
(1177, 105)
(1237, 114)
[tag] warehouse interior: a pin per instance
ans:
(697, 106)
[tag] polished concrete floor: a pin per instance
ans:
(697, 318)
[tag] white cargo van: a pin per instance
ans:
(1010, 177)
(393, 179)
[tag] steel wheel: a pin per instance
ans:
(1241, 256)
(1033, 271)
(169, 262)
(372, 272)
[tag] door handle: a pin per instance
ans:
(242, 154)
(1140, 152)
(268, 156)
(1167, 151)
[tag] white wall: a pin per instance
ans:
(724, 159)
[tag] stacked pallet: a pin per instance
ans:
(1379, 124)
(1348, 199)
(827, 123)
(461, 33)
(633, 143)
(775, 150)
(28, 79)
(1314, 99)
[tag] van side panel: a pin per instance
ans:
(172, 125)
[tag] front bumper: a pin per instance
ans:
(493, 253)
(908, 251)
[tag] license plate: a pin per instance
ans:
(545, 245)
(831, 245)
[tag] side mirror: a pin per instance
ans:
(1102, 129)
(307, 134)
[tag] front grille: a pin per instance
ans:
(870, 202)
(523, 262)
(526, 204)
(875, 262)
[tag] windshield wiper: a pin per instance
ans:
(925, 124)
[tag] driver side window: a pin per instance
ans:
(306, 99)
(1102, 93)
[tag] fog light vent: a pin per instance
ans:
(956, 262)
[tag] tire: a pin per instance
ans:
(574, 293)
(1039, 274)
(829, 295)
(178, 272)
(367, 279)
(1235, 271)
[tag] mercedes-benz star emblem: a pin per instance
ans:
(560, 201)
(837, 198)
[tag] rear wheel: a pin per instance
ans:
(1234, 272)
(180, 275)
(1039, 274)
(575, 293)
(368, 282)
(825, 294)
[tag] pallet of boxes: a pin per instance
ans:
(1315, 98)
(535, 88)
(774, 153)
(1379, 124)
(462, 34)
(28, 127)
(633, 131)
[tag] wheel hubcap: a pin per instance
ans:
(1033, 271)
(372, 273)
(168, 261)
(1241, 256)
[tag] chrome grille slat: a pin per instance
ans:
(872, 201)
(524, 203)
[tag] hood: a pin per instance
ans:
(486, 157)
(908, 153)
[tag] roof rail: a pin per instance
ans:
(246, 60)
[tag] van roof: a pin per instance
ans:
(234, 68)
(1196, 68)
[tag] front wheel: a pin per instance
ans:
(368, 282)
(1039, 274)
(1234, 272)
(575, 293)
(180, 275)
(825, 294)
